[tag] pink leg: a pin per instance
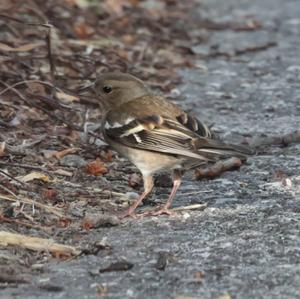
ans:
(148, 185)
(166, 208)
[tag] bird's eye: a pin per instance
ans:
(107, 89)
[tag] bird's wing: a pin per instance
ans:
(183, 136)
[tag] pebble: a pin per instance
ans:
(72, 161)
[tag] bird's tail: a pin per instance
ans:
(216, 149)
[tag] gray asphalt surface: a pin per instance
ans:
(246, 243)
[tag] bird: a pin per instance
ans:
(156, 135)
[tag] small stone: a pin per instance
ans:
(100, 220)
(175, 93)
(131, 195)
(72, 161)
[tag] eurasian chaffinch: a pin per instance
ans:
(155, 134)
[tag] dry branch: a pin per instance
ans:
(37, 244)
(22, 223)
(26, 166)
(49, 209)
(190, 207)
(285, 139)
(218, 168)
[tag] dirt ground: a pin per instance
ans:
(241, 74)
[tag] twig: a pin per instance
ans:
(52, 114)
(12, 178)
(16, 92)
(37, 244)
(22, 148)
(8, 191)
(250, 25)
(48, 41)
(50, 57)
(284, 140)
(12, 278)
(33, 202)
(191, 207)
(195, 192)
(9, 87)
(21, 21)
(26, 166)
(238, 52)
(19, 222)
(256, 48)
(218, 168)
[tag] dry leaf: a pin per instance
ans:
(96, 167)
(96, 43)
(34, 176)
(116, 6)
(79, 3)
(83, 30)
(87, 224)
(108, 155)
(2, 149)
(128, 39)
(24, 48)
(68, 151)
(134, 181)
(63, 172)
(68, 98)
(102, 290)
(64, 222)
(37, 88)
(50, 194)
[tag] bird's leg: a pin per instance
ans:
(165, 209)
(148, 185)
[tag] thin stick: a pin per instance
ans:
(284, 139)
(191, 207)
(19, 222)
(48, 43)
(37, 244)
(33, 202)
(50, 57)
(12, 178)
(53, 115)
(9, 87)
(195, 192)
(22, 22)
(17, 92)
(218, 168)
(8, 191)
(26, 166)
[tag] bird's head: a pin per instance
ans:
(114, 89)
